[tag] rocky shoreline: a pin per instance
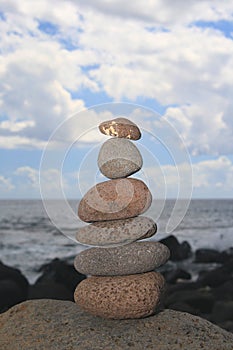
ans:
(200, 283)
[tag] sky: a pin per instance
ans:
(65, 66)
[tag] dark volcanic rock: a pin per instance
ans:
(201, 301)
(174, 275)
(183, 286)
(58, 281)
(211, 296)
(58, 271)
(211, 256)
(179, 251)
(222, 311)
(183, 307)
(224, 291)
(50, 290)
(13, 287)
(215, 277)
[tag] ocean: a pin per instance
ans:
(29, 239)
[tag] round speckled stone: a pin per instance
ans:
(137, 257)
(120, 127)
(115, 199)
(120, 297)
(119, 158)
(115, 232)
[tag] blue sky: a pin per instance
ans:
(172, 64)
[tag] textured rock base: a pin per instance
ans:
(60, 325)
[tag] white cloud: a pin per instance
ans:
(170, 181)
(190, 68)
(120, 48)
(31, 179)
(15, 127)
(203, 127)
(30, 174)
(24, 14)
(211, 179)
(6, 184)
(14, 142)
(33, 93)
(164, 12)
(216, 174)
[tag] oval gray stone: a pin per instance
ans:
(134, 258)
(115, 232)
(119, 158)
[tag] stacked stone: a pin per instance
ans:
(122, 282)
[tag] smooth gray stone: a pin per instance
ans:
(115, 232)
(119, 158)
(134, 258)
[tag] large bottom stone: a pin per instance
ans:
(121, 297)
(53, 324)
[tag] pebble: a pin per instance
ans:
(119, 158)
(137, 257)
(121, 297)
(121, 128)
(115, 232)
(115, 199)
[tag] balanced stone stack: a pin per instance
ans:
(122, 282)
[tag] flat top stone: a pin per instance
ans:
(54, 324)
(120, 127)
(134, 258)
(119, 158)
(115, 232)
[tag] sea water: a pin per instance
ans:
(28, 239)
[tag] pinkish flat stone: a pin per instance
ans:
(115, 199)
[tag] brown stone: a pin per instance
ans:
(115, 199)
(121, 297)
(120, 127)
